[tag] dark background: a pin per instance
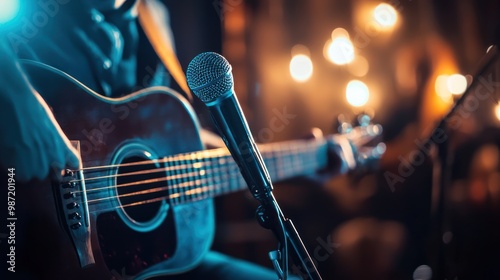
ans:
(376, 230)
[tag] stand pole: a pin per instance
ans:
(441, 170)
(271, 217)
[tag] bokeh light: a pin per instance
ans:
(8, 10)
(357, 93)
(301, 67)
(441, 88)
(359, 66)
(339, 49)
(456, 84)
(385, 15)
(497, 111)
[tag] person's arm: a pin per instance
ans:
(31, 141)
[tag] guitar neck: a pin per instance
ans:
(211, 173)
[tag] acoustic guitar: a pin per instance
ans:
(142, 204)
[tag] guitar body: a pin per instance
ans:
(134, 242)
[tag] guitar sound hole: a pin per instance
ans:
(140, 189)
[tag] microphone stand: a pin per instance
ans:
(228, 117)
(215, 87)
(270, 216)
(442, 169)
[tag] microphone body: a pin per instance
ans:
(217, 91)
(228, 117)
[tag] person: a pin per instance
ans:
(101, 44)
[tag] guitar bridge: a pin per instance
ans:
(74, 213)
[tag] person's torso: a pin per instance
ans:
(106, 51)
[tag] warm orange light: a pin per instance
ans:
(441, 88)
(359, 66)
(385, 15)
(301, 67)
(339, 49)
(497, 111)
(456, 84)
(357, 93)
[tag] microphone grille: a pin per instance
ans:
(209, 76)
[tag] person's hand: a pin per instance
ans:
(31, 140)
(358, 150)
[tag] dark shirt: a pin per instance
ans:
(104, 49)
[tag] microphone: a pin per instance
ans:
(209, 77)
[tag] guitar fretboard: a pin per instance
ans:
(210, 173)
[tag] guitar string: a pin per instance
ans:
(189, 158)
(200, 190)
(181, 168)
(143, 172)
(196, 165)
(206, 195)
(211, 187)
(201, 153)
(197, 190)
(173, 186)
(198, 155)
(312, 162)
(227, 168)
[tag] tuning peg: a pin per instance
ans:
(343, 125)
(363, 119)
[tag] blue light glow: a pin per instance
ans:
(8, 10)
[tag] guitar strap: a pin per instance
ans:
(152, 17)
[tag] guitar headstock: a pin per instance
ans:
(358, 143)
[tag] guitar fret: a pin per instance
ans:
(180, 170)
(170, 181)
(176, 183)
(194, 191)
(295, 161)
(225, 172)
(210, 173)
(276, 163)
(194, 181)
(191, 193)
(185, 186)
(234, 173)
(211, 182)
(213, 176)
(288, 161)
(188, 182)
(200, 172)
